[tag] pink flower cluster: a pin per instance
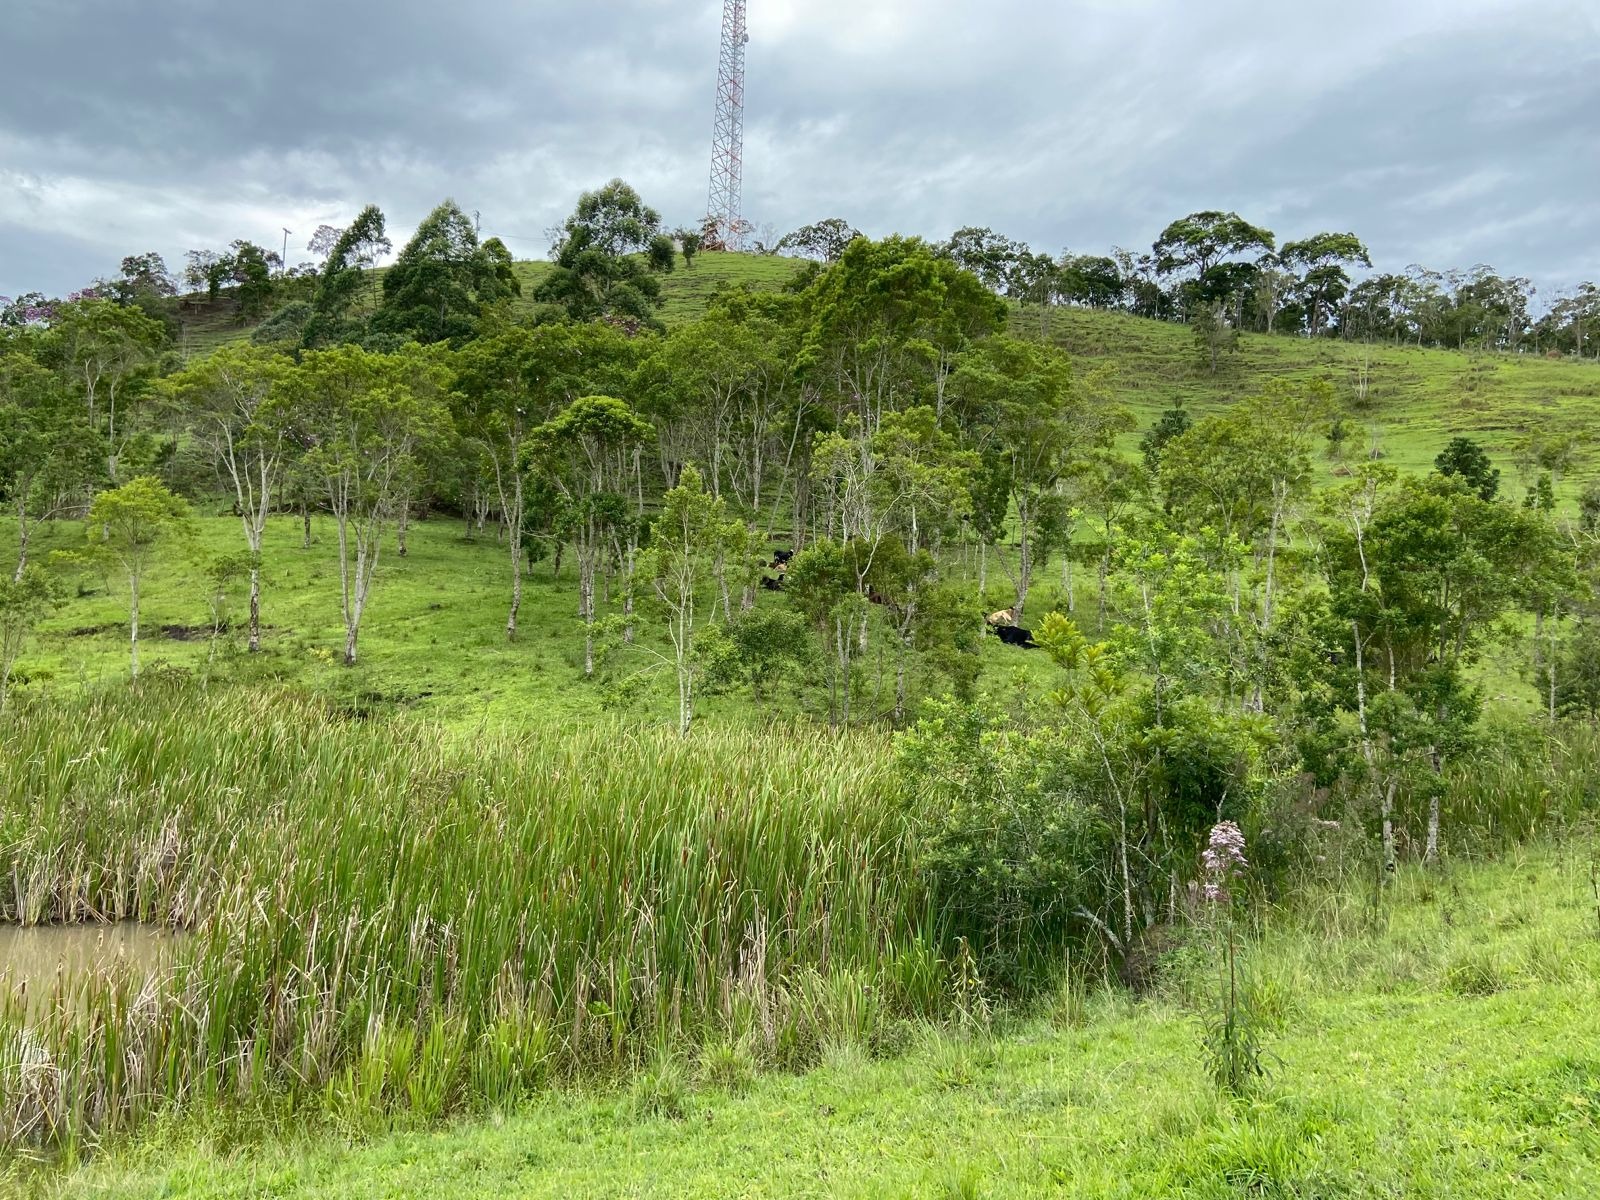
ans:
(1222, 859)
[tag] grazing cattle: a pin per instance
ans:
(1014, 635)
(771, 584)
(780, 559)
(1006, 616)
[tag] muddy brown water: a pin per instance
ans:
(34, 956)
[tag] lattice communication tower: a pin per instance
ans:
(727, 142)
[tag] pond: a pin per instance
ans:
(32, 957)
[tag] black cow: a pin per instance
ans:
(771, 584)
(1015, 635)
(780, 559)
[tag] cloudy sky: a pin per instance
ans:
(1447, 132)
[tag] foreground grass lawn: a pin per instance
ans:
(1446, 1046)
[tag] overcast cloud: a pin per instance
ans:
(1447, 132)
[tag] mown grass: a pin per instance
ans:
(377, 917)
(1440, 1044)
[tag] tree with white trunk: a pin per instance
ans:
(124, 528)
(587, 455)
(366, 419)
(227, 398)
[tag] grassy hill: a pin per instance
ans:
(1442, 1047)
(450, 593)
(1405, 402)
(204, 325)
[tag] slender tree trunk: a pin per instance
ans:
(1385, 793)
(369, 544)
(516, 588)
(513, 521)
(900, 664)
(842, 668)
(1430, 853)
(720, 568)
(629, 561)
(682, 630)
(586, 610)
(1127, 875)
(1268, 589)
(1550, 666)
(133, 622)
(255, 605)
(1386, 813)
(305, 526)
(24, 534)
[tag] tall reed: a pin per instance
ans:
(377, 917)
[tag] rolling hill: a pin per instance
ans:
(1404, 402)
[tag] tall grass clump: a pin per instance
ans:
(1530, 779)
(376, 919)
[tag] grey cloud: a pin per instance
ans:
(1447, 132)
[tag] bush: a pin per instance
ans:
(1009, 846)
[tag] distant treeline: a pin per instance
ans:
(1209, 267)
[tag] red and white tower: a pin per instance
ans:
(727, 142)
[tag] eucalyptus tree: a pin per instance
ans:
(1242, 472)
(1574, 319)
(1036, 278)
(608, 256)
(25, 600)
(924, 476)
(1240, 478)
(1109, 487)
(1092, 280)
(226, 400)
(48, 450)
(1425, 571)
(124, 527)
(367, 420)
(884, 325)
(109, 349)
(991, 256)
(587, 453)
(339, 285)
(507, 386)
(1323, 261)
(689, 539)
(1026, 407)
(1196, 246)
(444, 279)
(712, 384)
(824, 241)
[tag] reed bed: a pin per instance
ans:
(378, 918)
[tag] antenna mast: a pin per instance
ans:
(727, 142)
